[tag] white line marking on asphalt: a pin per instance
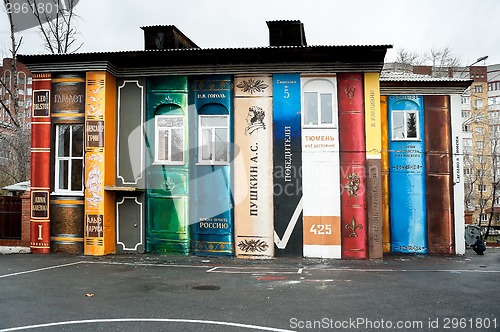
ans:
(249, 269)
(160, 320)
(151, 264)
(41, 269)
(253, 269)
(402, 270)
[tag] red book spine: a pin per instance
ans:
(40, 165)
(352, 166)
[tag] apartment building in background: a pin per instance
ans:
(14, 128)
(480, 138)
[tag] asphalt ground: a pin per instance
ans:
(168, 293)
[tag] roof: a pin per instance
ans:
(21, 186)
(397, 82)
(496, 209)
(411, 77)
(319, 58)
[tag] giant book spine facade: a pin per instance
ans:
(167, 165)
(40, 165)
(352, 166)
(439, 175)
(253, 170)
(407, 174)
(287, 152)
(211, 190)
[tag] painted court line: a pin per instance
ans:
(40, 269)
(160, 320)
(152, 264)
(251, 270)
(402, 270)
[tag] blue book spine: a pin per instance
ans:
(287, 152)
(212, 203)
(407, 194)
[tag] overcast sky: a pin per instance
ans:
(471, 28)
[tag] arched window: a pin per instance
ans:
(213, 135)
(169, 135)
(319, 103)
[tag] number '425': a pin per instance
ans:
(321, 229)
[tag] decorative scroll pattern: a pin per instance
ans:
(252, 86)
(253, 245)
(352, 185)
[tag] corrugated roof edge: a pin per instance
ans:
(207, 49)
(411, 77)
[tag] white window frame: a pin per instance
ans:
(319, 110)
(70, 158)
(169, 160)
(405, 122)
(212, 141)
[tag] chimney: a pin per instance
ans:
(286, 33)
(165, 37)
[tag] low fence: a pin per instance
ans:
(10, 217)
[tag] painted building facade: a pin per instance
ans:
(423, 166)
(253, 153)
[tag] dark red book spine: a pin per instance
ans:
(40, 165)
(352, 166)
(438, 175)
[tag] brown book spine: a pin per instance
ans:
(438, 175)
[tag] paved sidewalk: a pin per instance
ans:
(173, 293)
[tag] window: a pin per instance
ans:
(479, 145)
(169, 138)
(466, 128)
(467, 171)
(69, 159)
(481, 159)
(318, 109)
(405, 125)
(465, 114)
(480, 174)
(481, 188)
(478, 103)
(479, 130)
(466, 100)
(213, 139)
(483, 202)
(478, 88)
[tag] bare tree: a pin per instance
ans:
(495, 159)
(14, 131)
(406, 57)
(59, 33)
(444, 62)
